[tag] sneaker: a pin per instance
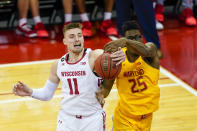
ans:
(87, 29)
(159, 11)
(159, 26)
(25, 30)
(187, 16)
(40, 30)
(108, 28)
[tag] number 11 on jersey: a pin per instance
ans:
(70, 81)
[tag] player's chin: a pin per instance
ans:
(77, 49)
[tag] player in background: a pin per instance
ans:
(137, 82)
(80, 110)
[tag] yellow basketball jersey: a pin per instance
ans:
(138, 89)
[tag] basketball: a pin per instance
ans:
(106, 68)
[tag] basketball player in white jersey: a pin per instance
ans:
(80, 110)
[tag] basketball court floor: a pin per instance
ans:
(29, 60)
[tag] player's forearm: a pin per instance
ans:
(105, 91)
(106, 87)
(140, 48)
(30, 92)
(45, 93)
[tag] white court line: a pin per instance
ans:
(169, 85)
(179, 81)
(24, 99)
(59, 96)
(28, 63)
(113, 37)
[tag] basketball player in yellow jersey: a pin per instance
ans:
(137, 82)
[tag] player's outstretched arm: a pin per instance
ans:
(45, 93)
(107, 86)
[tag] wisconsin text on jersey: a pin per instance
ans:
(73, 73)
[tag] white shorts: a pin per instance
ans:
(94, 122)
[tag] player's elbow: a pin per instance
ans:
(46, 98)
(149, 52)
(105, 95)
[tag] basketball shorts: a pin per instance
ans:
(133, 123)
(94, 122)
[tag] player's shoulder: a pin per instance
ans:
(63, 58)
(95, 53)
(55, 63)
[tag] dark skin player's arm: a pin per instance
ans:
(144, 50)
(104, 91)
(106, 87)
(148, 52)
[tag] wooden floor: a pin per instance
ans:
(178, 104)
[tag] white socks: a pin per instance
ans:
(67, 17)
(37, 19)
(187, 4)
(22, 21)
(107, 15)
(84, 17)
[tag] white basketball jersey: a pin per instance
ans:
(79, 85)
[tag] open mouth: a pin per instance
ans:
(77, 45)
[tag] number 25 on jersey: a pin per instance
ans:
(138, 84)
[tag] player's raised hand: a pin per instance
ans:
(118, 56)
(112, 46)
(21, 89)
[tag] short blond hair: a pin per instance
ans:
(72, 26)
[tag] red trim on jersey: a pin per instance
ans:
(76, 61)
(104, 117)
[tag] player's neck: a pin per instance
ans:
(132, 57)
(74, 57)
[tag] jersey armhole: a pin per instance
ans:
(95, 74)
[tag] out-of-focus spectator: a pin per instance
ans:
(146, 18)
(187, 15)
(106, 25)
(23, 28)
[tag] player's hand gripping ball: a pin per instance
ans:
(106, 68)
